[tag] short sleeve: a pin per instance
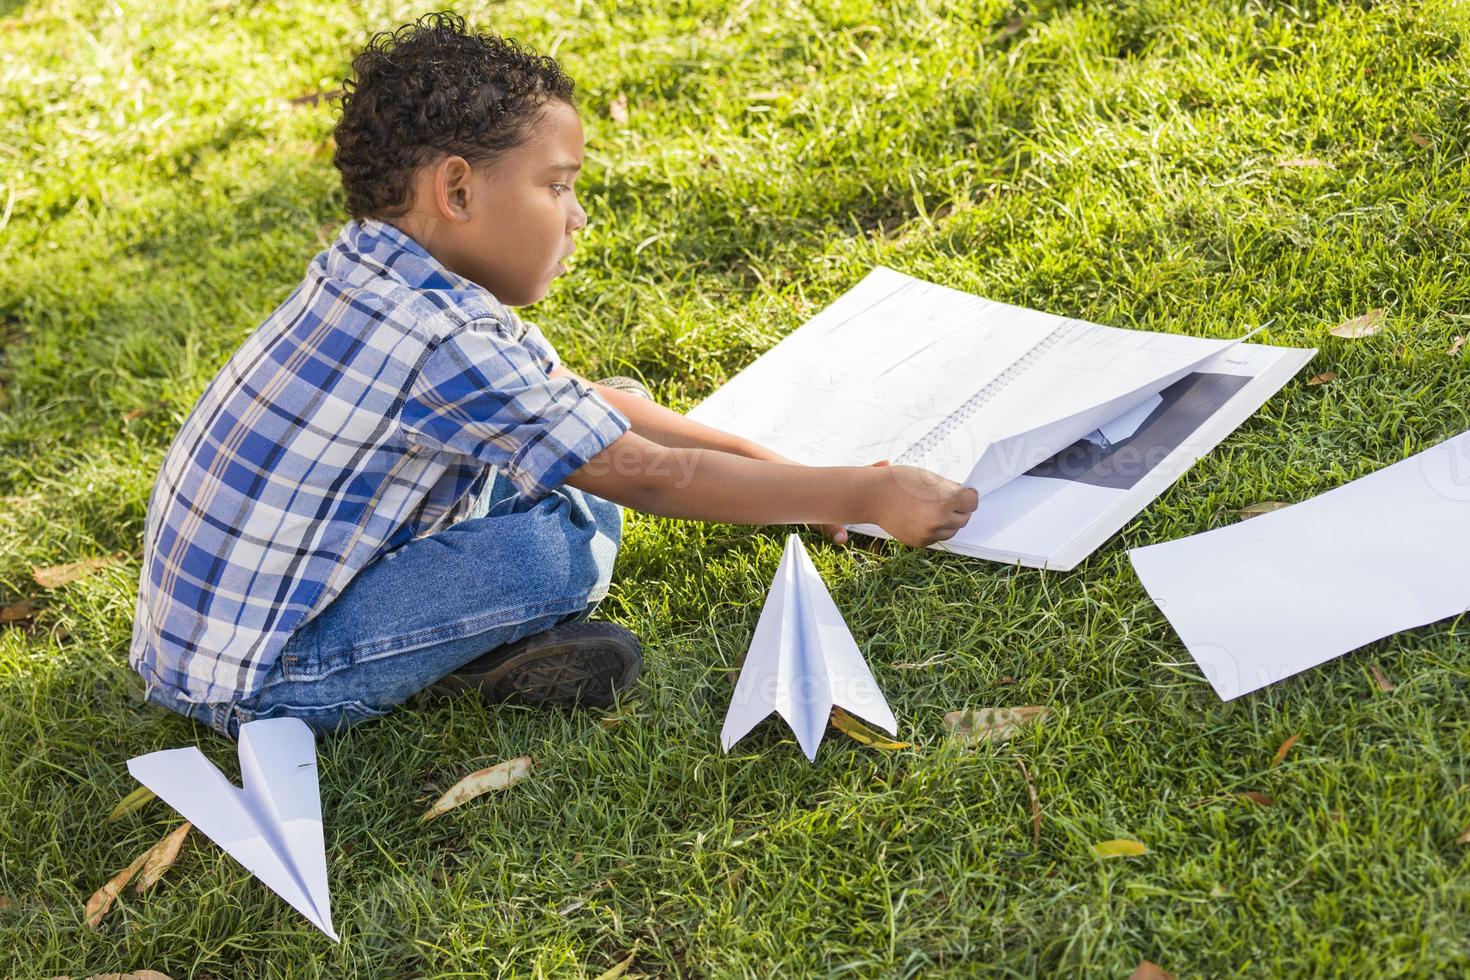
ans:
(485, 394)
(535, 341)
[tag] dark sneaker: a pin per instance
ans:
(627, 384)
(575, 663)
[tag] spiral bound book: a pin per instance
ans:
(1066, 428)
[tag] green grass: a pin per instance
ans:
(1114, 161)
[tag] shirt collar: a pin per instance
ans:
(389, 251)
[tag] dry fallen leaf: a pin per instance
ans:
(1360, 326)
(17, 612)
(617, 109)
(161, 858)
(55, 576)
(1035, 804)
(1255, 796)
(1384, 684)
(856, 730)
(1455, 346)
(152, 862)
(618, 969)
(1118, 848)
(1285, 748)
(1265, 507)
(103, 898)
(992, 724)
(1419, 140)
(495, 777)
(1323, 378)
(131, 802)
(1464, 837)
(139, 413)
(1147, 970)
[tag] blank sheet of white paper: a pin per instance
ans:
(1277, 594)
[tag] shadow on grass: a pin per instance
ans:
(135, 304)
(141, 304)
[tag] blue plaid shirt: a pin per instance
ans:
(364, 412)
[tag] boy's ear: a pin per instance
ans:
(452, 188)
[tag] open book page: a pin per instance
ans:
(871, 374)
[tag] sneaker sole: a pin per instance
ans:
(584, 664)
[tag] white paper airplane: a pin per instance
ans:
(802, 661)
(273, 826)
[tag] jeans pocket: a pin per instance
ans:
(300, 659)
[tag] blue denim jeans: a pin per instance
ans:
(510, 569)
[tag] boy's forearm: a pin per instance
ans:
(669, 428)
(709, 485)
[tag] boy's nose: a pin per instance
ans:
(578, 219)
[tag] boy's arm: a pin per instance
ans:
(913, 505)
(667, 427)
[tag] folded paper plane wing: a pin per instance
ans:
(273, 825)
(802, 661)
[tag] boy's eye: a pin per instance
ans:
(560, 189)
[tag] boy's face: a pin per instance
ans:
(506, 225)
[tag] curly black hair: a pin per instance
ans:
(432, 88)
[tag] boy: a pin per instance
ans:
(395, 483)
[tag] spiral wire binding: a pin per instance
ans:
(940, 432)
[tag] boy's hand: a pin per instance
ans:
(919, 507)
